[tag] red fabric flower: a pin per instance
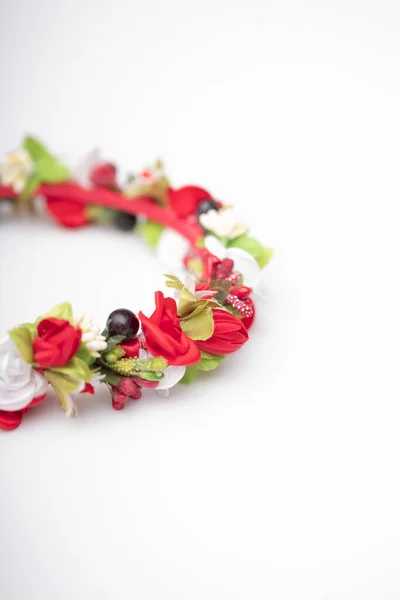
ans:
(229, 334)
(131, 348)
(68, 213)
(185, 200)
(56, 344)
(10, 420)
(248, 321)
(104, 175)
(164, 335)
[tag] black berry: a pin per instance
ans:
(205, 205)
(123, 322)
(125, 221)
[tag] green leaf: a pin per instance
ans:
(30, 188)
(50, 170)
(113, 340)
(63, 386)
(101, 214)
(148, 376)
(209, 364)
(110, 377)
(253, 247)
(84, 354)
(189, 375)
(200, 326)
(22, 338)
(35, 149)
(151, 232)
(209, 355)
(61, 311)
(75, 368)
(265, 257)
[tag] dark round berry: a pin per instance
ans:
(123, 322)
(125, 221)
(205, 205)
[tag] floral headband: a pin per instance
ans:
(208, 317)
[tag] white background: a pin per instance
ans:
(278, 476)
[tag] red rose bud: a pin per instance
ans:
(131, 348)
(241, 291)
(129, 387)
(104, 175)
(229, 334)
(56, 344)
(164, 335)
(224, 269)
(118, 399)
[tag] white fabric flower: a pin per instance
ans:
(82, 170)
(20, 383)
(223, 223)
(243, 262)
(190, 283)
(172, 375)
(91, 336)
(172, 249)
(16, 169)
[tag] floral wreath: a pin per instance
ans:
(208, 317)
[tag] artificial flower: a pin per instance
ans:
(104, 174)
(16, 169)
(184, 200)
(171, 375)
(149, 182)
(172, 249)
(20, 383)
(57, 342)
(244, 262)
(82, 171)
(131, 347)
(229, 334)
(91, 336)
(222, 223)
(198, 290)
(164, 336)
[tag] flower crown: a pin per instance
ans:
(208, 317)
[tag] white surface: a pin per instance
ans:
(278, 476)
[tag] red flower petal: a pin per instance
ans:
(184, 200)
(68, 213)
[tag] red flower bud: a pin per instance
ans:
(104, 175)
(56, 344)
(241, 291)
(164, 335)
(131, 348)
(229, 334)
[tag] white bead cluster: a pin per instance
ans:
(91, 336)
